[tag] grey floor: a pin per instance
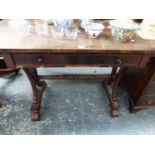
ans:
(68, 107)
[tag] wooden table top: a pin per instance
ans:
(9, 39)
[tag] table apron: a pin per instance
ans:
(75, 60)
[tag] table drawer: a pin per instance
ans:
(49, 60)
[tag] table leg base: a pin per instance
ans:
(114, 111)
(38, 88)
(35, 116)
(35, 110)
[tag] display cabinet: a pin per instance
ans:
(140, 86)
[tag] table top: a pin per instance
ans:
(9, 39)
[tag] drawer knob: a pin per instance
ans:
(119, 61)
(40, 59)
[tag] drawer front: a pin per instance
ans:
(147, 101)
(28, 60)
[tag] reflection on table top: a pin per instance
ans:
(10, 40)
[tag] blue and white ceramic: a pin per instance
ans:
(94, 29)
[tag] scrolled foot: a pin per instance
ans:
(114, 113)
(35, 116)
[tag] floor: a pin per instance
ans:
(68, 108)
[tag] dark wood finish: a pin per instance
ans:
(8, 71)
(38, 88)
(139, 83)
(48, 60)
(8, 60)
(77, 77)
(111, 89)
(32, 52)
(6, 65)
(139, 21)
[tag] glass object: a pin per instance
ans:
(71, 33)
(41, 28)
(24, 30)
(63, 23)
(48, 21)
(57, 33)
(22, 27)
(86, 22)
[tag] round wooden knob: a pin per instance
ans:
(119, 61)
(40, 59)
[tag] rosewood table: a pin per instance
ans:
(32, 52)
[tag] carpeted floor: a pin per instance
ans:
(68, 107)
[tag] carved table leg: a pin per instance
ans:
(38, 88)
(113, 74)
(111, 89)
